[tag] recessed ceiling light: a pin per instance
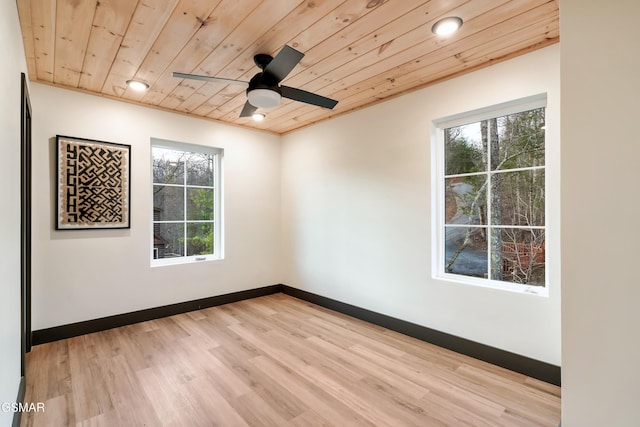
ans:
(258, 117)
(447, 26)
(137, 85)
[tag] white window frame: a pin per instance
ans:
(438, 196)
(218, 202)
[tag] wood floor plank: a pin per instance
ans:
(273, 361)
(333, 411)
(211, 407)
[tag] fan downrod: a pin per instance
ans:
(262, 60)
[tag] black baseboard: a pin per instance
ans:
(533, 368)
(514, 362)
(96, 325)
(17, 416)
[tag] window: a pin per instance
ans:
(186, 202)
(492, 195)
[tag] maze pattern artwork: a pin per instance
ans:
(93, 184)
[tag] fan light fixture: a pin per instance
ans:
(447, 26)
(258, 117)
(264, 98)
(137, 85)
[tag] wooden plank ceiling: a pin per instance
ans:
(358, 52)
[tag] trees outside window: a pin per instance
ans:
(493, 186)
(185, 201)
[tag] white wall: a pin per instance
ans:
(356, 212)
(81, 275)
(11, 65)
(600, 51)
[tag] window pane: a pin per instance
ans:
(169, 240)
(199, 204)
(520, 142)
(466, 251)
(168, 203)
(494, 193)
(466, 200)
(199, 169)
(464, 152)
(199, 238)
(168, 166)
(184, 198)
(518, 198)
(523, 256)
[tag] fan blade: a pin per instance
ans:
(210, 79)
(307, 97)
(248, 110)
(283, 63)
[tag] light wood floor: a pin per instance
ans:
(273, 361)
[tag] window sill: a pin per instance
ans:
(184, 260)
(539, 291)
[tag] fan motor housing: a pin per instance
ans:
(262, 81)
(266, 93)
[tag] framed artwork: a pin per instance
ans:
(93, 184)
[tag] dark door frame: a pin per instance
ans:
(25, 224)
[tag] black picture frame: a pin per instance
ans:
(93, 184)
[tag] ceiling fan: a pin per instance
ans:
(264, 89)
